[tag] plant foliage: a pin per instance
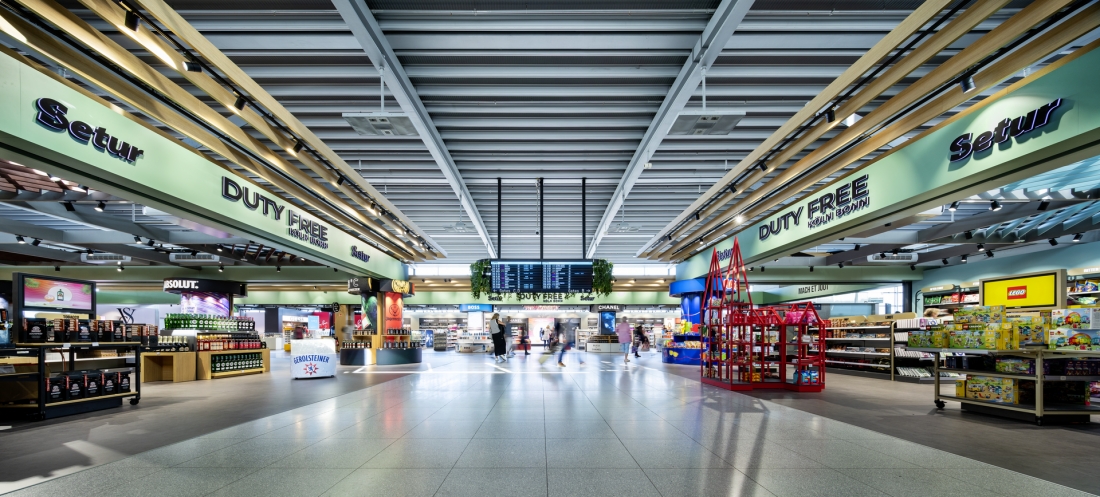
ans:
(480, 279)
(601, 277)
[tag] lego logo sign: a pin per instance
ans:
(1017, 292)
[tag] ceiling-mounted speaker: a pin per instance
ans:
(708, 122)
(381, 123)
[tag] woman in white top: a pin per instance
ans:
(496, 331)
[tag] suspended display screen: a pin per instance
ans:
(542, 276)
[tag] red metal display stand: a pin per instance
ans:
(747, 347)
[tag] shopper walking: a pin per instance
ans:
(496, 332)
(639, 337)
(568, 339)
(509, 338)
(525, 341)
(551, 348)
(623, 331)
(542, 336)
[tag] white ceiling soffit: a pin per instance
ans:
(706, 50)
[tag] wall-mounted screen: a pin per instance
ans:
(49, 293)
(537, 276)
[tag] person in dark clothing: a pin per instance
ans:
(639, 337)
(496, 332)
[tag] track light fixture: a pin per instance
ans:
(840, 265)
(298, 145)
(702, 243)
(278, 269)
(101, 206)
(190, 66)
(968, 234)
(221, 268)
(131, 21)
(981, 247)
(19, 239)
(697, 217)
(340, 179)
(954, 206)
(762, 268)
(895, 251)
(1044, 205)
(944, 261)
(57, 268)
(335, 270)
(857, 247)
(70, 207)
(750, 270)
(763, 167)
(994, 205)
(36, 242)
(1053, 242)
(219, 248)
(89, 251)
(811, 269)
(55, 178)
(912, 267)
(1077, 237)
(733, 189)
(137, 239)
(963, 258)
(239, 103)
(966, 82)
(194, 253)
(150, 242)
(830, 115)
(989, 253)
(882, 255)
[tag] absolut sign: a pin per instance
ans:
(823, 209)
(52, 115)
(967, 144)
(298, 226)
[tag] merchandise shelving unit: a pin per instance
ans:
(206, 358)
(40, 409)
(746, 347)
(878, 332)
(1036, 411)
(911, 366)
(951, 296)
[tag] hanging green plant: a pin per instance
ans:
(601, 277)
(480, 281)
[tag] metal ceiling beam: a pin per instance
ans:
(707, 48)
(373, 41)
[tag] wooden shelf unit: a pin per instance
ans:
(204, 363)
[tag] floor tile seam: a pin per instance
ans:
(212, 492)
(452, 468)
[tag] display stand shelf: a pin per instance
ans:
(1033, 412)
(204, 363)
(168, 366)
(40, 409)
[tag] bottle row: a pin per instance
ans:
(402, 345)
(399, 331)
(236, 362)
(228, 341)
(355, 345)
(209, 322)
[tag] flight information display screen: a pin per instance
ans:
(542, 276)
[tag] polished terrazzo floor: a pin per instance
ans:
(471, 427)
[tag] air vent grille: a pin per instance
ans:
(381, 123)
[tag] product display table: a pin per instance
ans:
(168, 366)
(208, 363)
(471, 346)
(677, 355)
(616, 348)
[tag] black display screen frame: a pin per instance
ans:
(496, 263)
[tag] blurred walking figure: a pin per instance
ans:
(623, 330)
(509, 339)
(639, 337)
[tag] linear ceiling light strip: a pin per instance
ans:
(81, 31)
(234, 99)
(112, 13)
(1039, 48)
(944, 74)
(52, 46)
(912, 24)
(179, 27)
